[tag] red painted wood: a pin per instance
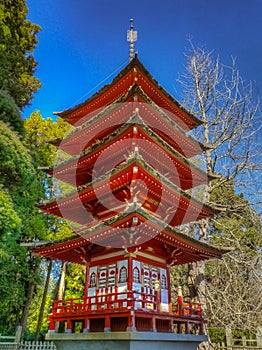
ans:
(146, 318)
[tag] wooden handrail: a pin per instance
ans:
(102, 301)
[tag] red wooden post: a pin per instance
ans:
(87, 280)
(86, 327)
(130, 301)
(51, 326)
(154, 329)
(180, 301)
(68, 326)
(107, 324)
(187, 327)
(157, 295)
(169, 291)
(131, 327)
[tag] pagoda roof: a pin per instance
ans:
(107, 120)
(133, 73)
(134, 228)
(116, 187)
(78, 170)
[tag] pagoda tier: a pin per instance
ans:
(133, 178)
(133, 74)
(107, 120)
(135, 231)
(127, 277)
(79, 170)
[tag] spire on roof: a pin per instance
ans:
(131, 37)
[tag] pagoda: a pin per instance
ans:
(130, 166)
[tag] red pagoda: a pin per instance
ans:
(130, 165)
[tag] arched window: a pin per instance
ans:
(163, 282)
(123, 274)
(136, 275)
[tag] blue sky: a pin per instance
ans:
(83, 44)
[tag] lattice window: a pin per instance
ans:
(163, 282)
(102, 276)
(92, 282)
(136, 275)
(111, 275)
(123, 274)
(146, 276)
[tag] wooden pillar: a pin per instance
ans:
(130, 274)
(107, 324)
(68, 326)
(201, 327)
(87, 280)
(51, 327)
(86, 327)
(172, 325)
(130, 301)
(187, 331)
(154, 329)
(131, 326)
(179, 301)
(157, 296)
(169, 290)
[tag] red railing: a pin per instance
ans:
(188, 309)
(127, 304)
(97, 303)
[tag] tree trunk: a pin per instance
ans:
(61, 283)
(29, 298)
(42, 307)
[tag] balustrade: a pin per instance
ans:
(129, 305)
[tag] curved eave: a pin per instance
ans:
(108, 119)
(180, 247)
(120, 179)
(72, 170)
(130, 75)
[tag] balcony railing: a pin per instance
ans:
(129, 305)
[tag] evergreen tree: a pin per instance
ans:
(20, 222)
(20, 189)
(18, 41)
(38, 132)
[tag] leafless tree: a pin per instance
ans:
(228, 107)
(229, 110)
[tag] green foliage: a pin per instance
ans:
(10, 224)
(18, 41)
(39, 131)
(20, 188)
(216, 335)
(75, 281)
(9, 112)
(239, 226)
(20, 221)
(16, 169)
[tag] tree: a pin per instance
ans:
(20, 189)
(229, 110)
(9, 113)
(20, 221)
(38, 132)
(18, 41)
(234, 284)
